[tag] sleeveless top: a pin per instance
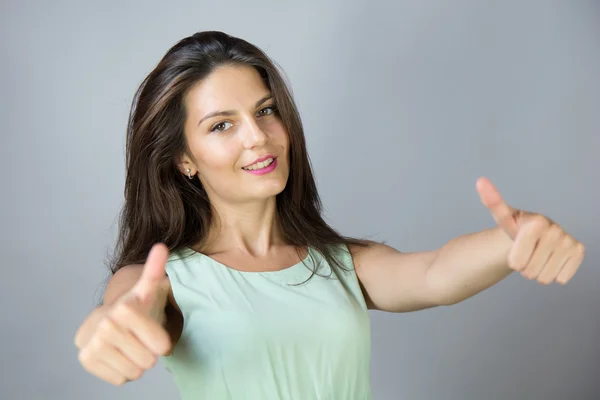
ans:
(270, 335)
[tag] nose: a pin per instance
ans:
(253, 135)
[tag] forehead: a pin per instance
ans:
(227, 88)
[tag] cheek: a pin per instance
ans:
(217, 156)
(278, 135)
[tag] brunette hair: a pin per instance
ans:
(161, 203)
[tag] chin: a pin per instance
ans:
(268, 189)
(272, 189)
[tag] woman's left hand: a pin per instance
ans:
(541, 249)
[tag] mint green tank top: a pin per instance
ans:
(270, 335)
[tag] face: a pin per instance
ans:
(238, 145)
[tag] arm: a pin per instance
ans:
(525, 242)
(469, 264)
(402, 282)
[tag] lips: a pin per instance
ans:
(262, 168)
(260, 165)
(261, 159)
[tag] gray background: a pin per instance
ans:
(405, 104)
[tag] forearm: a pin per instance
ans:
(469, 264)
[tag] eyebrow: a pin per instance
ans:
(229, 113)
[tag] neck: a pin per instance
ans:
(251, 228)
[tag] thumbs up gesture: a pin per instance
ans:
(541, 249)
(121, 340)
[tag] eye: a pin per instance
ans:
(267, 111)
(221, 127)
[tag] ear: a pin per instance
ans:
(185, 162)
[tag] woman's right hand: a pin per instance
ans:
(119, 341)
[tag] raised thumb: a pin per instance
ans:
(153, 274)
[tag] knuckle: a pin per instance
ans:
(567, 242)
(554, 232)
(564, 280)
(105, 327)
(515, 263)
(135, 373)
(545, 280)
(78, 339)
(96, 344)
(122, 310)
(150, 362)
(540, 222)
(84, 357)
(580, 248)
(120, 381)
(533, 276)
(91, 368)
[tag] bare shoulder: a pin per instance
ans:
(361, 254)
(377, 255)
(373, 257)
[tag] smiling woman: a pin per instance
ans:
(225, 265)
(261, 298)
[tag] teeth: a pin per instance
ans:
(259, 165)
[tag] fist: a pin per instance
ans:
(541, 249)
(119, 342)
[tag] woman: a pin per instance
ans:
(225, 265)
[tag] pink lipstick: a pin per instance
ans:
(262, 171)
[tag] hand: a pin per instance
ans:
(126, 338)
(541, 249)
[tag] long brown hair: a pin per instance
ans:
(163, 205)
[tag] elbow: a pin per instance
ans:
(439, 290)
(443, 298)
(449, 301)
